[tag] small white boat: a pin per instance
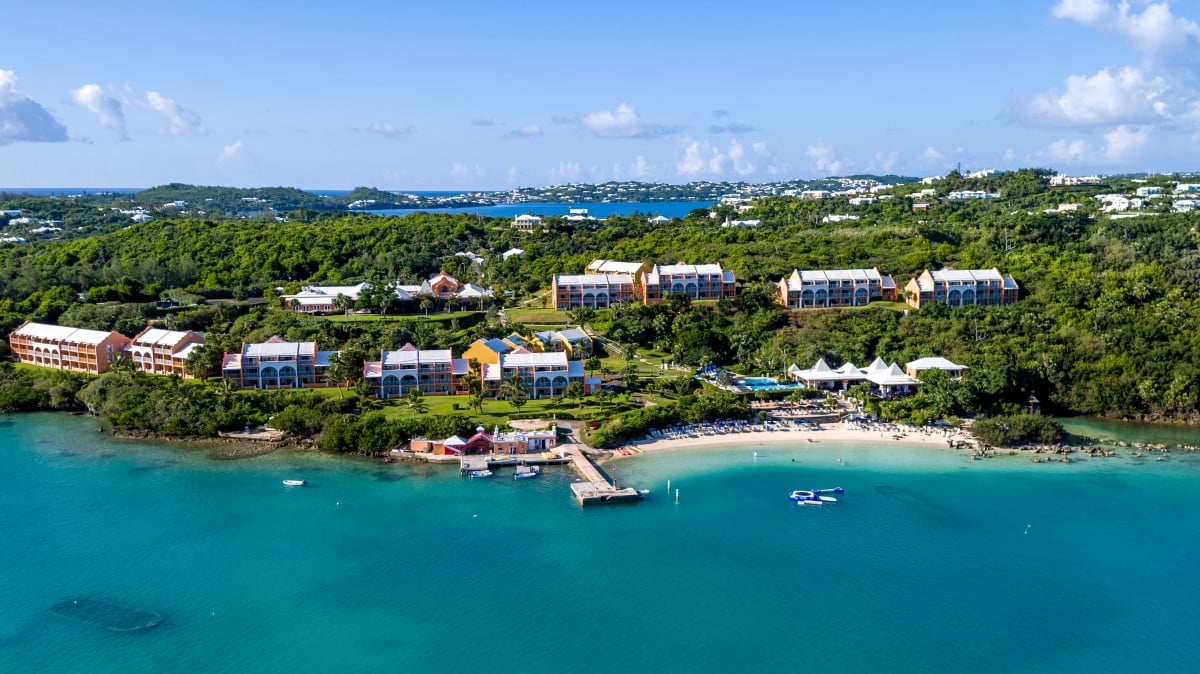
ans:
(810, 502)
(525, 472)
(294, 483)
(479, 473)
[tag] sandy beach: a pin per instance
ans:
(830, 433)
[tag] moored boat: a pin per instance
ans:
(524, 472)
(294, 483)
(479, 473)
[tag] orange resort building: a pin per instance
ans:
(697, 281)
(64, 348)
(834, 288)
(277, 364)
(597, 291)
(159, 351)
(545, 375)
(962, 287)
(508, 442)
(431, 371)
(574, 342)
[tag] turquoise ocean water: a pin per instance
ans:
(993, 566)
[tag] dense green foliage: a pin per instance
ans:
(710, 404)
(1105, 326)
(1017, 429)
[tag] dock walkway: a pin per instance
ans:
(594, 487)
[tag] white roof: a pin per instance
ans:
(528, 218)
(877, 365)
(598, 279)
(966, 275)
(158, 336)
(614, 267)
(416, 357)
(513, 251)
(934, 363)
(827, 275)
(62, 333)
(187, 350)
(546, 359)
(680, 269)
(280, 349)
(894, 376)
(327, 293)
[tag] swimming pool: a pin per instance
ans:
(766, 384)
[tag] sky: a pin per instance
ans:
(465, 95)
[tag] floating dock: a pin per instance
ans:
(595, 487)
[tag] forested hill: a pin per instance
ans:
(1107, 323)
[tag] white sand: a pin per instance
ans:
(801, 437)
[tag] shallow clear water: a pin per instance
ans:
(953, 565)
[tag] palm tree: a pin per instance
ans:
(513, 389)
(471, 381)
(342, 303)
(477, 401)
(338, 373)
(416, 402)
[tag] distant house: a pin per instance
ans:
(513, 252)
(66, 348)
(158, 351)
(526, 223)
(488, 351)
(886, 380)
(817, 288)
(321, 299)
(506, 442)
(142, 217)
(920, 207)
(963, 287)
(658, 220)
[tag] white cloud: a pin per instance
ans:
(1121, 144)
(567, 171)
(462, 171)
(388, 129)
(826, 161)
(1155, 30)
(527, 131)
(703, 159)
(512, 174)
(232, 152)
(624, 122)
(106, 108)
(180, 121)
(933, 158)
(640, 168)
(24, 119)
(883, 161)
(1111, 96)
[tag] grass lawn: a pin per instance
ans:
(465, 318)
(546, 317)
(498, 412)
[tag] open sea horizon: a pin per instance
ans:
(929, 562)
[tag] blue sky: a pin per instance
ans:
(494, 95)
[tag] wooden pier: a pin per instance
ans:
(594, 487)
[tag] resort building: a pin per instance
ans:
(430, 371)
(526, 222)
(885, 380)
(275, 364)
(697, 281)
(574, 342)
(962, 287)
(634, 269)
(158, 351)
(835, 288)
(488, 351)
(507, 442)
(916, 367)
(64, 348)
(545, 375)
(597, 291)
(322, 299)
